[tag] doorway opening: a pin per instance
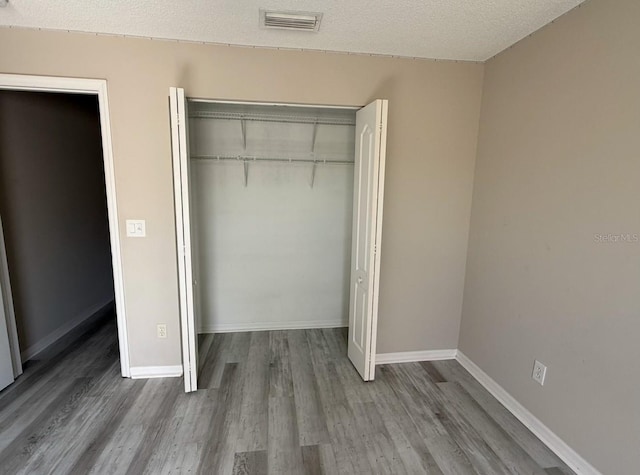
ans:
(278, 219)
(60, 272)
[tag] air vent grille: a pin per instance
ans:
(299, 21)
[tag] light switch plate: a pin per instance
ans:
(136, 228)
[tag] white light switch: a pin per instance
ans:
(136, 228)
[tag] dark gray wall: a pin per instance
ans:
(53, 210)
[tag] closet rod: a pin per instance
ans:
(241, 158)
(283, 119)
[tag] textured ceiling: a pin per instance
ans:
(438, 29)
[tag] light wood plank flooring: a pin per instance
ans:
(280, 402)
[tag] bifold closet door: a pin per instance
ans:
(368, 190)
(6, 365)
(180, 151)
(10, 363)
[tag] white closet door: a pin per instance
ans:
(6, 364)
(10, 362)
(180, 150)
(371, 133)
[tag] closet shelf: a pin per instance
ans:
(272, 118)
(244, 158)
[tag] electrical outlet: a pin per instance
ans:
(539, 372)
(162, 331)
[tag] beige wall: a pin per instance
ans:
(54, 212)
(433, 116)
(558, 162)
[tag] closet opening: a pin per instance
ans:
(278, 219)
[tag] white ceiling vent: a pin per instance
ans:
(299, 21)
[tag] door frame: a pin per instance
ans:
(97, 87)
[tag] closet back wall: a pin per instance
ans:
(274, 254)
(434, 108)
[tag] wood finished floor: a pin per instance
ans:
(280, 402)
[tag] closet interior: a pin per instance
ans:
(271, 197)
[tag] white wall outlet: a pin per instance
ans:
(162, 330)
(136, 228)
(539, 372)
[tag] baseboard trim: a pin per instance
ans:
(549, 438)
(412, 356)
(266, 326)
(146, 372)
(93, 312)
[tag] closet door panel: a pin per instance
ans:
(366, 236)
(6, 367)
(182, 197)
(10, 361)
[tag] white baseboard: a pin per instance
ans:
(145, 372)
(411, 356)
(265, 326)
(54, 336)
(551, 440)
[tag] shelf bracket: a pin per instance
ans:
(243, 125)
(313, 140)
(313, 173)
